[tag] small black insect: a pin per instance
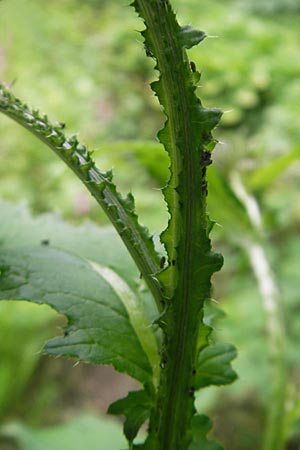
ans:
(45, 242)
(148, 52)
(206, 136)
(191, 391)
(162, 262)
(193, 66)
(204, 187)
(206, 159)
(66, 333)
(173, 262)
(162, 365)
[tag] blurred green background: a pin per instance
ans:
(83, 63)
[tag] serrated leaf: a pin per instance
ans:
(136, 408)
(100, 245)
(214, 366)
(99, 328)
(201, 426)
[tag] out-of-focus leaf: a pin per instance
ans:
(201, 426)
(263, 177)
(136, 408)
(83, 432)
(99, 329)
(225, 207)
(214, 366)
(150, 154)
(23, 331)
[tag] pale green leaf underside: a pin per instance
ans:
(99, 329)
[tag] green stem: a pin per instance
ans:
(275, 425)
(191, 262)
(274, 432)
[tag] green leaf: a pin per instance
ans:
(136, 408)
(190, 36)
(226, 207)
(83, 432)
(201, 426)
(99, 244)
(89, 241)
(214, 366)
(264, 176)
(99, 329)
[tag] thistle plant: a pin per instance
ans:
(172, 356)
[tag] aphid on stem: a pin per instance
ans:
(162, 262)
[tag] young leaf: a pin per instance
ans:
(214, 366)
(201, 426)
(99, 329)
(136, 408)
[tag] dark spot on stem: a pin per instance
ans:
(205, 159)
(148, 52)
(193, 66)
(162, 262)
(191, 391)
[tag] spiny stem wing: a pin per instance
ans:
(187, 130)
(119, 210)
(187, 280)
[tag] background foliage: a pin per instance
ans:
(84, 63)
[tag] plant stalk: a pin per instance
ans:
(191, 262)
(274, 435)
